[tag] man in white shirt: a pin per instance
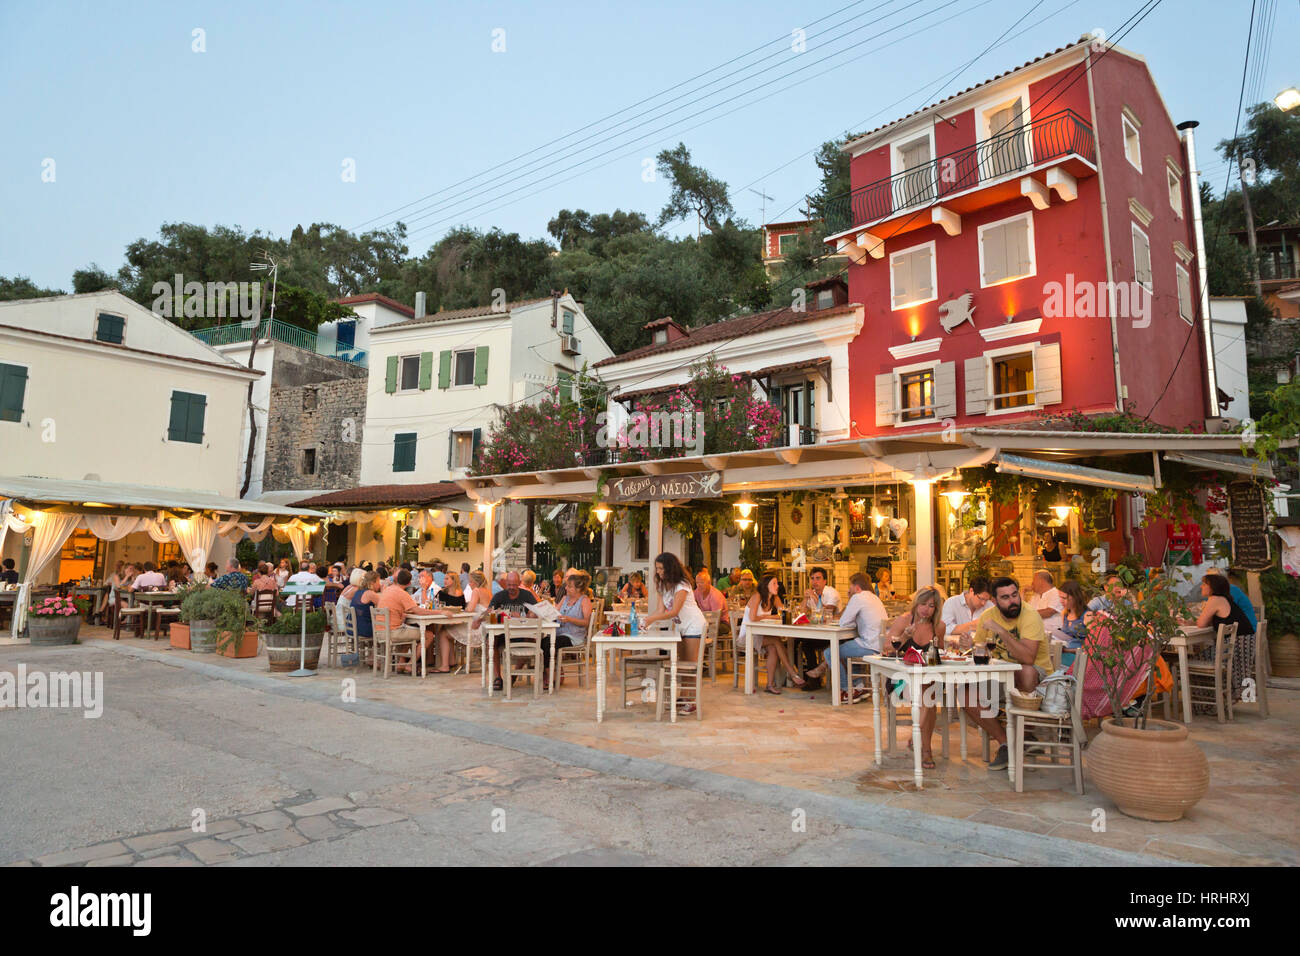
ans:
(866, 615)
(1047, 601)
(820, 595)
(961, 611)
(150, 577)
(304, 576)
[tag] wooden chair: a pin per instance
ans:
(1059, 737)
(465, 663)
(160, 614)
(523, 643)
(1261, 665)
(738, 654)
(1211, 681)
(710, 647)
(856, 667)
(342, 637)
(390, 641)
(724, 646)
(264, 605)
(636, 667)
(578, 657)
(131, 612)
(690, 677)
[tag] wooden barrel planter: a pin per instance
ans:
(50, 631)
(1283, 653)
(283, 651)
(203, 637)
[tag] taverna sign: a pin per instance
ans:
(693, 484)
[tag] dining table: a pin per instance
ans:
(153, 600)
(949, 674)
(422, 617)
(833, 634)
(491, 631)
(1189, 637)
(664, 639)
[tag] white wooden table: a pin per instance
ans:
(1189, 637)
(953, 674)
(649, 640)
(424, 617)
(492, 631)
(832, 633)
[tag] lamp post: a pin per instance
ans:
(1288, 99)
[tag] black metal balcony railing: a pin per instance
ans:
(1275, 267)
(1043, 140)
(784, 436)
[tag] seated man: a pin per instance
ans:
(398, 601)
(708, 598)
(513, 599)
(1015, 633)
(866, 615)
(961, 611)
(820, 595)
(1046, 600)
(234, 579)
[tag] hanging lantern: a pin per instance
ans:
(743, 524)
(954, 492)
(601, 511)
(1063, 507)
(744, 506)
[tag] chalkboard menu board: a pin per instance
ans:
(876, 562)
(1249, 520)
(767, 546)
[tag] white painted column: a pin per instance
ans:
(655, 533)
(923, 497)
(489, 540)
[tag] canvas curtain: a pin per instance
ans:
(108, 528)
(195, 536)
(51, 531)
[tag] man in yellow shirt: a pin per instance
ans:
(1017, 635)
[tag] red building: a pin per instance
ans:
(1027, 246)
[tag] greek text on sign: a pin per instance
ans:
(695, 484)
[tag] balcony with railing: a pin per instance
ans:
(277, 331)
(1276, 267)
(1051, 153)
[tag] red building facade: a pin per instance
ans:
(1026, 247)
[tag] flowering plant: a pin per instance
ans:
(54, 607)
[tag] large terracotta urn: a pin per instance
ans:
(1156, 773)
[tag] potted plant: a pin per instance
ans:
(1149, 768)
(1281, 593)
(53, 620)
(283, 638)
(216, 617)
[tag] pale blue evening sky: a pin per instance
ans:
(255, 131)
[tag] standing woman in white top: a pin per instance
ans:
(678, 599)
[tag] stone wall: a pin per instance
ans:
(326, 419)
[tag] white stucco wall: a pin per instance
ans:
(1228, 327)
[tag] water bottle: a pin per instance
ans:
(633, 627)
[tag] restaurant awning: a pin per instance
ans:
(371, 497)
(1237, 464)
(1078, 474)
(107, 497)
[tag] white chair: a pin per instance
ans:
(579, 657)
(1211, 681)
(1261, 665)
(523, 644)
(390, 641)
(636, 667)
(342, 637)
(1059, 739)
(690, 675)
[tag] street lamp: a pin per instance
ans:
(1288, 99)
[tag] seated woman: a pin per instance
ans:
(529, 578)
(919, 627)
(1073, 625)
(1051, 548)
(575, 614)
(474, 601)
(345, 599)
(884, 584)
(363, 602)
(1220, 608)
(635, 589)
(764, 605)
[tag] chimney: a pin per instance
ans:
(419, 305)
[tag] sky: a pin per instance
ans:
(120, 117)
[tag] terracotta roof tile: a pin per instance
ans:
(448, 314)
(384, 496)
(729, 329)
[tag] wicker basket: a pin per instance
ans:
(1023, 702)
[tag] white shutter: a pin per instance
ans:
(1018, 247)
(976, 386)
(1141, 257)
(1184, 293)
(885, 400)
(922, 289)
(994, 243)
(1047, 374)
(902, 275)
(945, 390)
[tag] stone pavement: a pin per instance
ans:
(791, 752)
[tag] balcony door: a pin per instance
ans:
(798, 412)
(914, 182)
(1006, 149)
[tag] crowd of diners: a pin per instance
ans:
(996, 615)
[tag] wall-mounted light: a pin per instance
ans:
(484, 507)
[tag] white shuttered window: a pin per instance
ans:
(1007, 250)
(912, 276)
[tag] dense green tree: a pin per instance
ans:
(694, 191)
(21, 287)
(92, 279)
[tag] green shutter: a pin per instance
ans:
(564, 384)
(404, 451)
(426, 371)
(390, 375)
(109, 328)
(567, 326)
(180, 417)
(480, 365)
(474, 446)
(13, 388)
(198, 408)
(451, 448)
(444, 369)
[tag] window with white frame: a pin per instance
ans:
(462, 449)
(914, 157)
(916, 394)
(1011, 377)
(912, 279)
(1007, 250)
(408, 373)
(1175, 192)
(1009, 151)
(464, 367)
(1142, 258)
(1132, 142)
(1185, 308)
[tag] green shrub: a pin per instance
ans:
(225, 609)
(290, 622)
(1281, 594)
